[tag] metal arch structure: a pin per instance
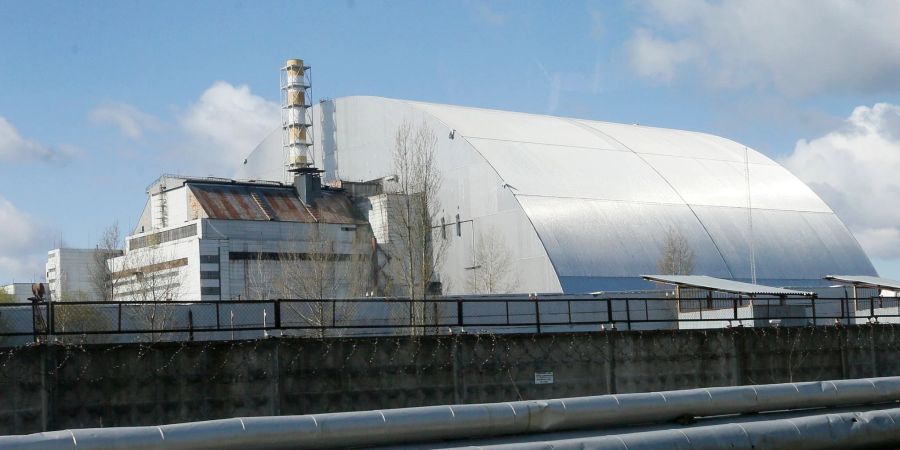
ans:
(585, 205)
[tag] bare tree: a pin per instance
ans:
(260, 277)
(100, 272)
(147, 280)
(492, 273)
(417, 255)
(323, 275)
(677, 255)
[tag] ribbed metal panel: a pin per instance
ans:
(599, 196)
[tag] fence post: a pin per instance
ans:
(609, 311)
(334, 314)
(734, 303)
(537, 314)
(34, 321)
(120, 317)
(506, 303)
(190, 325)
(218, 324)
(628, 313)
(459, 314)
(50, 319)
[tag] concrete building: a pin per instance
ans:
(219, 239)
(582, 205)
(70, 274)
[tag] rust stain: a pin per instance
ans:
(235, 202)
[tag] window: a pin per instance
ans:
(209, 274)
(163, 236)
(283, 256)
(214, 259)
(209, 291)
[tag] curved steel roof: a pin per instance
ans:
(602, 195)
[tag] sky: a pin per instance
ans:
(99, 98)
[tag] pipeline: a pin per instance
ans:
(434, 423)
(835, 431)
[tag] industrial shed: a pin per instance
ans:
(585, 205)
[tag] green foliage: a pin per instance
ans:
(6, 298)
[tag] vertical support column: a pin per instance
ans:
(458, 394)
(276, 375)
(872, 354)
(611, 362)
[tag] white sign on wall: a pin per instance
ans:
(543, 378)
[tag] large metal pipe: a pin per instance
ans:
(838, 431)
(395, 426)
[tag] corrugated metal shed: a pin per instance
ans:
(866, 281)
(246, 201)
(720, 285)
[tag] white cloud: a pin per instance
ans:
(130, 121)
(855, 169)
(799, 48)
(657, 58)
(22, 257)
(225, 125)
(15, 148)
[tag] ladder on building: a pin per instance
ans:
(266, 209)
(162, 207)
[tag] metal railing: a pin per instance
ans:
(446, 315)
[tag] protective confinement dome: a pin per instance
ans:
(586, 206)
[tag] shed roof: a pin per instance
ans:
(866, 281)
(723, 285)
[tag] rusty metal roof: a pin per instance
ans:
(247, 201)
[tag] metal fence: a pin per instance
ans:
(215, 320)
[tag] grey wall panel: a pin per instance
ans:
(787, 244)
(616, 239)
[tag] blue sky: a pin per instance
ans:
(99, 98)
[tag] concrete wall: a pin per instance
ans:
(57, 387)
